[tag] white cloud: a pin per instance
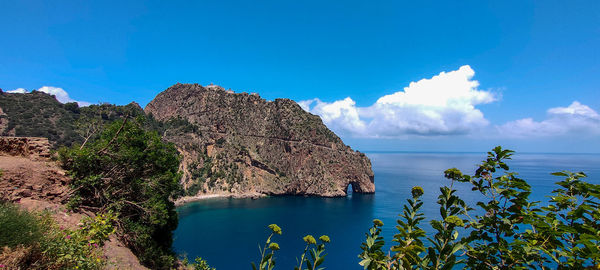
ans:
(341, 115)
(576, 118)
(443, 104)
(61, 95)
(17, 91)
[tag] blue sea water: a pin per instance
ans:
(226, 232)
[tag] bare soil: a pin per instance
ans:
(40, 185)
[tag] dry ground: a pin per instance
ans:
(40, 185)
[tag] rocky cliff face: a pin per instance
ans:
(241, 143)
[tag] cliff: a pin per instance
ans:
(239, 143)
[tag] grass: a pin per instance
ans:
(18, 227)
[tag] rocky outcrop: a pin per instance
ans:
(25, 172)
(25, 146)
(241, 143)
(23, 177)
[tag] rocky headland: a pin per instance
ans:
(241, 144)
(232, 144)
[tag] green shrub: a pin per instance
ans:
(97, 230)
(134, 174)
(76, 249)
(35, 241)
(72, 106)
(201, 264)
(18, 227)
(512, 233)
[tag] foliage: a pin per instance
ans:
(201, 171)
(267, 261)
(314, 251)
(39, 243)
(512, 233)
(77, 249)
(373, 257)
(496, 239)
(201, 264)
(179, 125)
(442, 253)
(98, 229)
(220, 141)
(409, 233)
(38, 114)
(198, 264)
(569, 232)
(410, 252)
(133, 173)
(72, 106)
(17, 227)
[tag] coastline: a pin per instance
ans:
(188, 199)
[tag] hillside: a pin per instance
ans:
(243, 144)
(38, 114)
(234, 144)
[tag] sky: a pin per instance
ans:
(459, 76)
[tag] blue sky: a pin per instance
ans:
(513, 70)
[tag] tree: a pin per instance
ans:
(133, 173)
(72, 106)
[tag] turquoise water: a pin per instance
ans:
(227, 232)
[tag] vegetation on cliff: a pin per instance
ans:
(35, 241)
(38, 114)
(233, 143)
(131, 172)
(241, 143)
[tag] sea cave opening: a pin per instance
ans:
(350, 190)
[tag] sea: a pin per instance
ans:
(228, 232)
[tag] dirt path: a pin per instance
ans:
(34, 179)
